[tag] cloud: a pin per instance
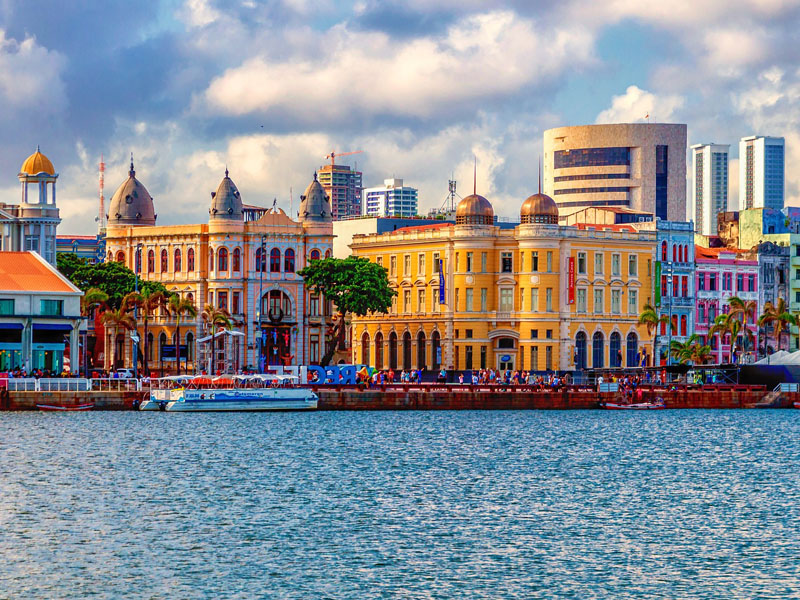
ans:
(30, 77)
(482, 57)
(635, 104)
(198, 13)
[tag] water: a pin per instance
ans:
(669, 504)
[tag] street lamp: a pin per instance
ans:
(137, 263)
(260, 307)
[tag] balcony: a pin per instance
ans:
(795, 262)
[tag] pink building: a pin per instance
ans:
(722, 273)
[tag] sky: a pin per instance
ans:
(268, 89)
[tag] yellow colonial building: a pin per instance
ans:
(245, 260)
(538, 297)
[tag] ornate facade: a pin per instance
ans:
(244, 260)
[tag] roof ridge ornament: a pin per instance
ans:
(132, 172)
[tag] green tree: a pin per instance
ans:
(690, 351)
(149, 302)
(778, 316)
(744, 309)
(113, 278)
(355, 285)
(178, 307)
(116, 319)
(650, 318)
(67, 263)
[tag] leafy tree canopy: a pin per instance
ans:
(113, 278)
(354, 284)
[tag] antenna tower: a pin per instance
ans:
(101, 218)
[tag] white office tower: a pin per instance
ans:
(710, 185)
(393, 199)
(762, 183)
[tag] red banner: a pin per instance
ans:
(571, 296)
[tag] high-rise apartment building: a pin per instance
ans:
(709, 185)
(640, 166)
(393, 199)
(762, 183)
(343, 186)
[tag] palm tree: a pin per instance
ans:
(744, 308)
(148, 301)
(682, 351)
(779, 317)
(117, 319)
(92, 299)
(217, 318)
(700, 354)
(179, 307)
(650, 318)
(726, 324)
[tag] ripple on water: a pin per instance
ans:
(690, 504)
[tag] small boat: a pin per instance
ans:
(636, 406)
(229, 393)
(797, 404)
(64, 407)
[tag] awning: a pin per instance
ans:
(10, 325)
(52, 327)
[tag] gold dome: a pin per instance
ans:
(474, 210)
(37, 163)
(539, 208)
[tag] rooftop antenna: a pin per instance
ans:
(291, 202)
(540, 174)
(475, 175)
(101, 218)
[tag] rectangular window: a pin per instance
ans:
(457, 298)
(616, 265)
(421, 300)
(534, 300)
(7, 307)
(534, 262)
(548, 334)
(615, 301)
(521, 262)
(484, 299)
(436, 264)
(581, 263)
(421, 265)
(52, 308)
(633, 306)
(739, 282)
(633, 265)
(469, 299)
(506, 299)
(712, 282)
(548, 299)
(522, 299)
(468, 358)
(701, 282)
(407, 265)
(484, 261)
(548, 358)
(580, 300)
(549, 261)
(468, 334)
(235, 301)
(598, 301)
(506, 262)
(483, 357)
(314, 348)
(394, 305)
(313, 305)
(662, 170)
(469, 262)
(407, 301)
(379, 261)
(534, 358)
(222, 300)
(598, 263)
(534, 334)
(393, 266)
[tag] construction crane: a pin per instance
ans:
(334, 154)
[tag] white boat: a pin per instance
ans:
(657, 405)
(229, 393)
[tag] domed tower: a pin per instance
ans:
(226, 202)
(474, 210)
(315, 207)
(131, 204)
(39, 171)
(539, 208)
(37, 213)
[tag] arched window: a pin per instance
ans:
(664, 250)
(288, 261)
(120, 257)
(164, 261)
(190, 297)
(580, 351)
(598, 350)
(674, 253)
(632, 349)
(276, 306)
(393, 350)
(190, 346)
(190, 260)
(328, 253)
(379, 351)
(407, 351)
(222, 259)
(274, 261)
(365, 349)
(615, 349)
(314, 255)
(237, 260)
(683, 325)
(436, 350)
(150, 345)
(151, 261)
(138, 261)
(176, 261)
(421, 354)
(110, 256)
(260, 266)
(162, 342)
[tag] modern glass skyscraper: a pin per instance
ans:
(343, 186)
(709, 185)
(393, 199)
(762, 182)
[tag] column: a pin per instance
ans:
(74, 354)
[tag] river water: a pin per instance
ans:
(589, 504)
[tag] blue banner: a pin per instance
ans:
(441, 282)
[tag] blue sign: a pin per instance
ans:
(441, 283)
(505, 358)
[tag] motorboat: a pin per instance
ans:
(64, 407)
(655, 405)
(263, 392)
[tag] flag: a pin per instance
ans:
(647, 116)
(441, 282)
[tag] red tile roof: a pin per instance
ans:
(420, 227)
(28, 272)
(606, 227)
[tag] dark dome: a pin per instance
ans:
(539, 208)
(314, 205)
(474, 210)
(226, 202)
(131, 204)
